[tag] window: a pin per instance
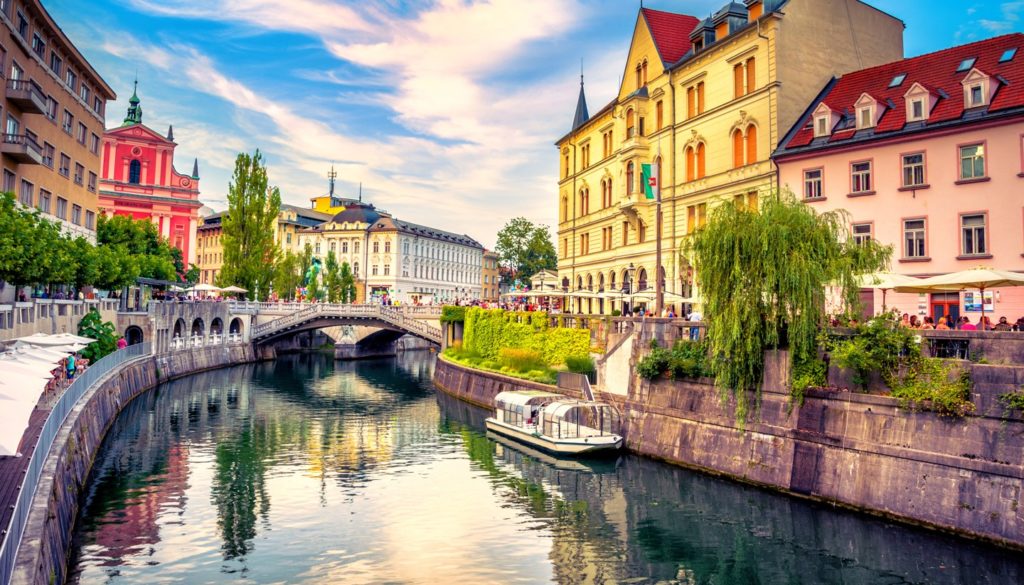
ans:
(135, 172)
(1008, 55)
(316, 249)
(751, 75)
(38, 45)
(26, 196)
(355, 247)
(83, 92)
(972, 162)
(584, 244)
(898, 80)
(972, 235)
(821, 126)
(812, 184)
(51, 108)
(751, 140)
(373, 270)
(62, 208)
(659, 114)
(630, 123)
(376, 247)
(55, 63)
(916, 112)
(691, 163)
(8, 181)
(737, 80)
(700, 160)
(387, 269)
(97, 105)
(82, 133)
(966, 64)
(630, 172)
(71, 78)
(975, 96)
(700, 98)
(625, 233)
(691, 102)
(860, 177)
(913, 238)
(92, 187)
(48, 152)
(65, 165)
(13, 126)
(865, 118)
(861, 233)
(44, 201)
(76, 214)
(90, 220)
(94, 144)
(79, 172)
(69, 122)
(22, 25)
(344, 247)
(913, 169)
(737, 149)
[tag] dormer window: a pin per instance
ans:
(916, 110)
(919, 102)
(821, 126)
(824, 120)
(978, 89)
(976, 96)
(865, 117)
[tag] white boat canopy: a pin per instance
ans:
(575, 418)
(525, 397)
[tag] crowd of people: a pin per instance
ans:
(984, 323)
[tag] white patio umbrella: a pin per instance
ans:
(40, 339)
(886, 281)
(14, 417)
(234, 289)
(203, 287)
(23, 368)
(980, 278)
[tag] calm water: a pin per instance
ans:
(307, 471)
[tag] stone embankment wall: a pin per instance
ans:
(857, 450)
(42, 557)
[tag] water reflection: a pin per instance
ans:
(309, 471)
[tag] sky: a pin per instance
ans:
(445, 111)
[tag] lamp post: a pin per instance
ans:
(630, 274)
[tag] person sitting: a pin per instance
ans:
(929, 323)
(1019, 325)
(966, 325)
(914, 323)
(905, 320)
(984, 323)
(941, 325)
(1002, 325)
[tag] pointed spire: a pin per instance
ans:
(582, 115)
(170, 132)
(195, 169)
(134, 115)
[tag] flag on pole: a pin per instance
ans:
(649, 176)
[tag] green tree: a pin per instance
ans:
(23, 245)
(287, 275)
(763, 276)
(249, 246)
(525, 249)
(348, 283)
(332, 278)
(149, 255)
(192, 274)
(93, 326)
(87, 269)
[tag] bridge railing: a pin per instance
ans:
(392, 315)
(47, 435)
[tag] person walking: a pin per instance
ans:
(71, 367)
(121, 343)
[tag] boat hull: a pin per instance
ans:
(580, 446)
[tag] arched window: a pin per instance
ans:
(135, 172)
(641, 279)
(690, 164)
(630, 123)
(590, 282)
(751, 144)
(579, 283)
(629, 178)
(700, 160)
(611, 280)
(600, 282)
(565, 208)
(737, 149)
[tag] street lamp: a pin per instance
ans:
(628, 288)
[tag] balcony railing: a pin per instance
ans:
(22, 148)
(26, 95)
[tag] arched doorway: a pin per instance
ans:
(235, 329)
(198, 328)
(133, 335)
(641, 279)
(179, 328)
(216, 329)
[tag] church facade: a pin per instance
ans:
(139, 179)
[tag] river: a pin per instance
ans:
(304, 470)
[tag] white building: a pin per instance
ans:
(402, 261)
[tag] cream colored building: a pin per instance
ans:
(708, 99)
(398, 260)
(491, 277)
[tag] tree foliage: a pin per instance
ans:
(525, 248)
(347, 282)
(763, 276)
(287, 275)
(248, 228)
(332, 278)
(93, 326)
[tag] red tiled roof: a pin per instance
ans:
(936, 72)
(671, 33)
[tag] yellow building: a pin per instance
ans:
(708, 100)
(330, 203)
(491, 276)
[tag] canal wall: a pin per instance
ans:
(856, 450)
(42, 556)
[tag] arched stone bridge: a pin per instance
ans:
(393, 321)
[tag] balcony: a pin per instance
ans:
(22, 149)
(26, 95)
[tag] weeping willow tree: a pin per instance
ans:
(763, 277)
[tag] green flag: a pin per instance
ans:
(649, 176)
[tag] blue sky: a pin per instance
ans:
(445, 111)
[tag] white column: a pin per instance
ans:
(165, 225)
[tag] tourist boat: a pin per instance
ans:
(555, 423)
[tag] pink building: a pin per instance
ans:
(139, 180)
(926, 154)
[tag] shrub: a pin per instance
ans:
(938, 385)
(522, 360)
(653, 364)
(451, 314)
(92, 325)
(812, 373)
(880, 345)
(581, 364)
(616, 313)
(1013, 400)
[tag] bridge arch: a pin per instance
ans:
(236, 326)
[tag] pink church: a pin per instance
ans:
(926, 154)
(139, 180)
